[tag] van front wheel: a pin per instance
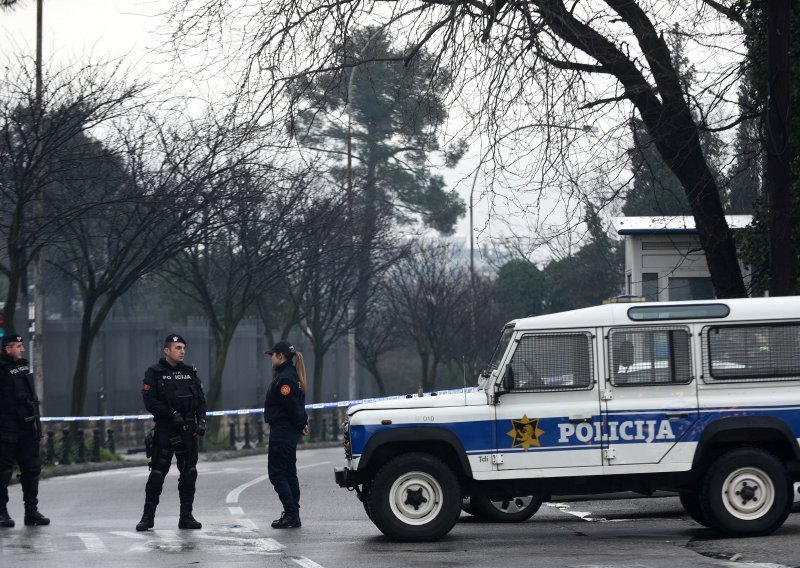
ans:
(746, 492)
(415, 498)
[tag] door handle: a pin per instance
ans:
(579, 419)
(677, 415)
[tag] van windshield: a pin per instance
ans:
(499, 351)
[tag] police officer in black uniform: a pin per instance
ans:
(20, 431)
(174, 395)
(284, 411)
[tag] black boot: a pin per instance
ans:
(187, 521)
(288, 520)
(33, 517)
(148, 517)
(5, 479)
(30, 494)
(5, 520)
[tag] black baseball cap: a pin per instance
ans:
(174, 338)
(11, 338)
(282, 346)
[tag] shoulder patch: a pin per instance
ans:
(285, 390)
(145, 387)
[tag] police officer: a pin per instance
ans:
(20, 431)
(174, 395)
(284, 411)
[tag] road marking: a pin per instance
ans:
(252, 544)
(236, 510)
(91, 541)
(305, 562)
(233, 496)
(586, 516)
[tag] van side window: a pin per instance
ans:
(751, 352)
(649, 356)
(553, 362)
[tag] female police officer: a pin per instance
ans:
(284, 411)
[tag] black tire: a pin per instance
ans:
(746, 492)
(415, 498)
(514, 510)
(366, 490)
(691, 504)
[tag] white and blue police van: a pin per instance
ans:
(698, 398)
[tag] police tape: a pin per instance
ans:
(316, 406)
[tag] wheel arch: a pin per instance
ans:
(767, 432)
(440, 442)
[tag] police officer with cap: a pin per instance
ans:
(284, 411)
(174, 395)
(20, 431)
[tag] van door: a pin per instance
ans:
(550, 416)
(650, 396)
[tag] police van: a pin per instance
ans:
(699, 398)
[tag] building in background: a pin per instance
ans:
(664, 260)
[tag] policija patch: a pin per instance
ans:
(526, 432)
(285, 390)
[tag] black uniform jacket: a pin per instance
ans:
(17, 397)
(286, 401)
(167, 389)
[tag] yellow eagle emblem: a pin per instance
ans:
(526, 432)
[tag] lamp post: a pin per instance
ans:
(36, 315)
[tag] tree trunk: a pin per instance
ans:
(781, 256)
(80, 377)
(316, 422)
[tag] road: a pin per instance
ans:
(94, 515)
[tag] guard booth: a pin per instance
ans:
(664, 260)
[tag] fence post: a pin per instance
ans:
(96, 445)
(110, 441)
(247, 443)
(260, 432)
(50, 448)
(65, 446)
(232, 429)
(324, 429)
(81, 445)
(336, 423)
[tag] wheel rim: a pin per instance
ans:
(416, 498)
(748, 493)
(514, 505)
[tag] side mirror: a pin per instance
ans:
(508, 379)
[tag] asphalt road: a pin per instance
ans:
(94, 516)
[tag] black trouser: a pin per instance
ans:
(166, 442)
(24, 452)
(282, 464)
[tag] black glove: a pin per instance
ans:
(201, 428)
(178, 421)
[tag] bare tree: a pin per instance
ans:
(246, 251)
(429, 296)
(173, 183)
(41, 147)
(533, 76)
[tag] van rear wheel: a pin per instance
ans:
(746, 492)
(511, 510)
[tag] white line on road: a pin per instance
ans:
(305, 562)
(91, 541)
(233, 496)
(236, 510)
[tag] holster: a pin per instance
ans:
(148, 443)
